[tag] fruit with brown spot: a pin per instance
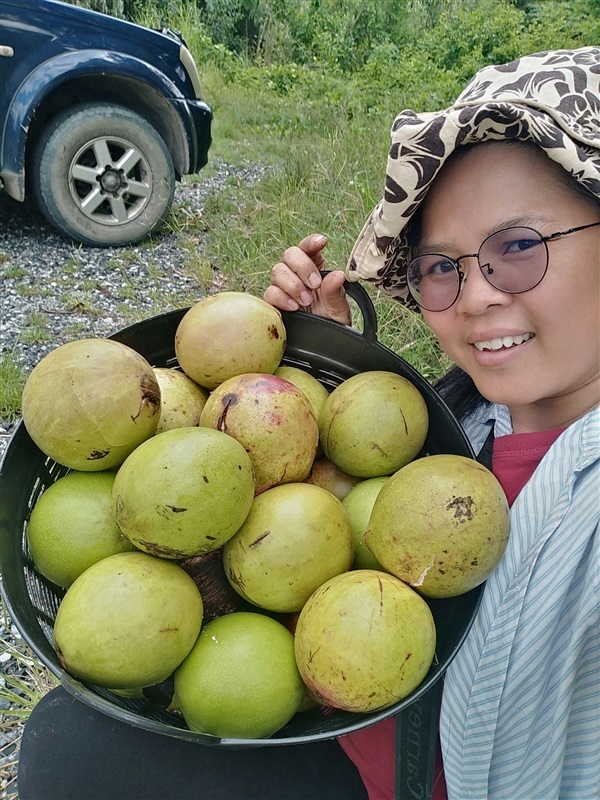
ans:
(440, 524)
(228, 334)
(183, 492)
(89, 403)
(295, 538)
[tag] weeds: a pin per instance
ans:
(24, 693)
(12, 381)
(13, 272)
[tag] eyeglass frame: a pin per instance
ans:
(461, 276)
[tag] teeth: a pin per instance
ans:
(504, 341)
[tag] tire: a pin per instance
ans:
(103, 175)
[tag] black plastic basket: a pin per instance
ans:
(331, 353)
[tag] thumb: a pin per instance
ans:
(333, 297)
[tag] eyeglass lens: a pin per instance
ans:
(513, 260)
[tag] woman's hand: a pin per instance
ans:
(296, 282)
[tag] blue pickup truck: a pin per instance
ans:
(98, 119)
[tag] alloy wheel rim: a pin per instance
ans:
(110, 180)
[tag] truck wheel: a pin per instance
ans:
(103, 175)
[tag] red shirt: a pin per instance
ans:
(514, 460)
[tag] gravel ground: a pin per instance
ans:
(53, 291)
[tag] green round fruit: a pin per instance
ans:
(182, 400)
(128, 621)
(240, 679)
(73, 525)
(373, 424)
(440, 524)
(183, 492)
(358, 504)
(295, 537)
(89, 403)
(364, 641)
(228, 334)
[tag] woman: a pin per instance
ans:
(520, 708)
(490, 226)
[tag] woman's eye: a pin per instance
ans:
(432, 267)
(519, 245)
(440, 268)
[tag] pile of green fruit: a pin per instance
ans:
(235, 527)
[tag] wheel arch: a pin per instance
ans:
(70, 81)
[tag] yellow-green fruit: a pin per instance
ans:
(295, 537)
(440, 524)
(373, 424)
(314, 390)
(364, 641)
(358, 504)
(228, 334)
(183, 492)
(89, 403)
(128, 621)
(182, 400)
(240, 679)
(327, 475)
(73, 525)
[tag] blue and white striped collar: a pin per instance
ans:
(480, 422)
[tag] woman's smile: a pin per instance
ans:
(500, 351)
(503, 342)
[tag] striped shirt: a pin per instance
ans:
(520, 716)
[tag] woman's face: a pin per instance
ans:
(547, 369)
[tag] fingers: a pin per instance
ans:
(306, 260)
(313, 245)
(288, 288)
(296, 282)
(297, 275)
(280, 299)
(329, 300)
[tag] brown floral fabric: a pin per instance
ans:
(551, 99)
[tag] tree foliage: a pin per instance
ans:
(343, 36)
(365, 55)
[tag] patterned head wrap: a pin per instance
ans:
(551, 99)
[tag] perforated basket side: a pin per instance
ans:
(31, 600)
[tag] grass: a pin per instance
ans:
(12, 381)
(23, 693)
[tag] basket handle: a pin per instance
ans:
(365, 305)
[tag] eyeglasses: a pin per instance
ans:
(513, 260)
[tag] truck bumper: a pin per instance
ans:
(200, 120)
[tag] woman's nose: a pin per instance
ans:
(476, 293)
